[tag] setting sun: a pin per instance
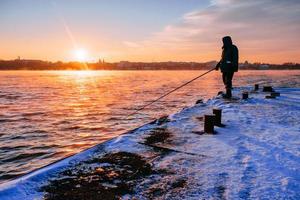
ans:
(80, 55)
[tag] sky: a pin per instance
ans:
(149, 30)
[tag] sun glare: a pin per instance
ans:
(80, 55)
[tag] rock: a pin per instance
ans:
(200, 101)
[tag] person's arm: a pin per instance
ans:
(235, 59)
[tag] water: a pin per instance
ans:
(48, 115)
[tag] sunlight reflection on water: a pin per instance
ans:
(47, 115)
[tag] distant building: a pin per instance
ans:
(101, 61)
(264, 66)
(123, 64)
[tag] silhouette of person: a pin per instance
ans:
(228, 64)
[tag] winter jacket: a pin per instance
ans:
(230, 56)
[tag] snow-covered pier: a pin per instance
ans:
(255, 156)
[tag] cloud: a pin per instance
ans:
(264, 30)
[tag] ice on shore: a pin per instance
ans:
(256, 156)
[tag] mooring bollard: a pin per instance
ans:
(268, 89)
(275, 94)
(245, 95)
(256, 87)
(209, 121)
(218, 117)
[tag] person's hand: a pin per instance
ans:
(217, 66)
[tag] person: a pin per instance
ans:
(228, 64)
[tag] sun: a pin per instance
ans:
(80, 55)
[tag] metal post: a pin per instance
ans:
(268, 89)
(209, 121)
(218, 117)
(245, 95)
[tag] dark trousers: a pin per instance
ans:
(227, 79)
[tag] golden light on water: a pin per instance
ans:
(81, 73)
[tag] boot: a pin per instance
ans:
(228, 94)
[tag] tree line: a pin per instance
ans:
(21, 64)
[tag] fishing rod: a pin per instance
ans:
(152, 102)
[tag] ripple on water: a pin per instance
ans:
(23, 157)
(15, 119)
(9, 97)
(29, 114)
(12, 148)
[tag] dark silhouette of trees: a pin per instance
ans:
(22, 64)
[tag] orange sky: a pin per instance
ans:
(264, 31)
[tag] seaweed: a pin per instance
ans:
(107, 177)
(162, 188)
(157, 135)
(180, 183)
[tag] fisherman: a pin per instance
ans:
(228, 64)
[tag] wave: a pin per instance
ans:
(24, 157)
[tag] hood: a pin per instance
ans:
(227, 42)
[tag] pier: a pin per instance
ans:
(253, 153)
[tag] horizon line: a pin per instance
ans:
(93, 62)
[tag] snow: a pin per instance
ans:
(256, 156)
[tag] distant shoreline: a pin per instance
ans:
(20, 64)
(283, 69)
